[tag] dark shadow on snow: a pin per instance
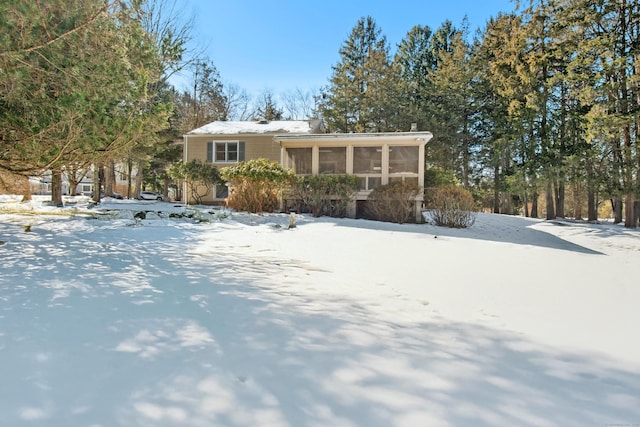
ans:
(232, 341)
(509, 229)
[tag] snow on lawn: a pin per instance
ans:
(108, 320)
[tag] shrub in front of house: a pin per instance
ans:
(255, 185)
(323, 195)
(200, 178)
(393, 202)
(451, 206)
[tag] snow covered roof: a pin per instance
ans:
(263, 126)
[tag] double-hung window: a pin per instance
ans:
(225, 151)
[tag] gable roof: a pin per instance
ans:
(258, 127)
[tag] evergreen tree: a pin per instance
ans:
(509, 122)
(359, 91)
(415, 62)
(604, 70)
(453, 83)
(75, 84)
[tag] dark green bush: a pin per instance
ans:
(255, 185)
(323, 195)
(393, 202)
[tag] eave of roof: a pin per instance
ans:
(420, 137)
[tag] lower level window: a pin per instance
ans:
(408, 179)
(221, 192)
(369, 182)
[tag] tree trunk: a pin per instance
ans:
(496, 189)
(577, 202)
(129, 173)
(165, 186)
(506, 204)
(526, 204)
(73, 179)
(22, 186)
(73, 184)
(559, 196)
(534, 204)
(465, 157)
(549, 201)
(617, 210)
(138, 189)
(98, 174)
(592, 211)
(109, 178)
(630, 218)
(56, 187)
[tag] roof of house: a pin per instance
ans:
(257, 127)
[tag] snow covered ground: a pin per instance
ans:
(240, 321)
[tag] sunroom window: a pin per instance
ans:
(403, 160)
(367, 165)
(332, 160)
(299, 159)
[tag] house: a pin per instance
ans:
(376, 158)
(42, 184)
(223, 143)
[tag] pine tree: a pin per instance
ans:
(415, 62)
(358, 96)
(509, 122)
(453, 83)
(75, 84)
(606, 59)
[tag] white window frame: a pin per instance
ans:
(226, 151)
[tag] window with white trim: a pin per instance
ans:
(225, 151)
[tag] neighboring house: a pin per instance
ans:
(376, 158)
(42, 185)
(224, 143)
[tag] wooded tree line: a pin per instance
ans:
(82, 83)
(541, 105)
(85, 85)
(543, 101)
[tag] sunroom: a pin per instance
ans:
(377, 159)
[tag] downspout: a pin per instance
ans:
(282, 163)
(185, 154)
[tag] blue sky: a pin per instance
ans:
(283, 45)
